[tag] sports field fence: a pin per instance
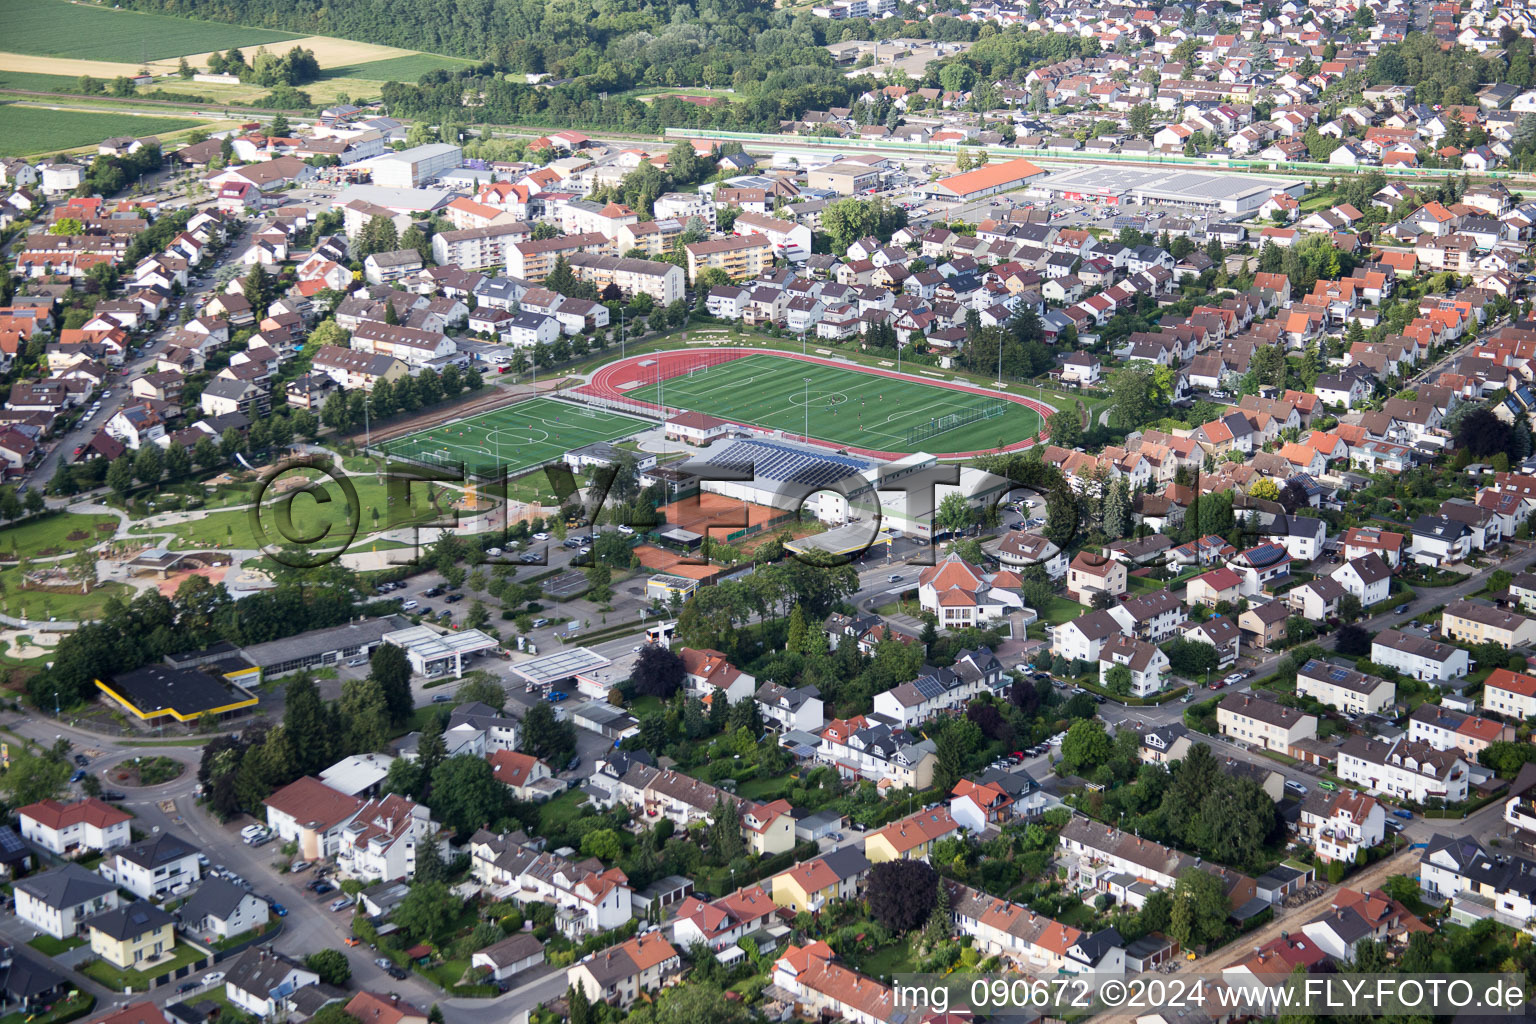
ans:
(949, 421)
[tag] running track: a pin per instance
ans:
(605, 384)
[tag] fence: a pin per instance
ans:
(630, 406)
(949, 421)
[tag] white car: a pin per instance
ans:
(541, 536)
(626, 530)
(252, 831)
(1233, 679)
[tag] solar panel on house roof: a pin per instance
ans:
(928, 686)
(1338, 675)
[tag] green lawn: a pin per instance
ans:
(50, 946)
(515, 438)
(754, 789)
(322, 512)
(841, 405)
(40, 604)
(117, 979)
(31, 130)
(54, 28)
(555, 814)
(886, 961)
(57, 533)
(1062, 610)
(398, 69)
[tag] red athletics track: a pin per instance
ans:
(605, 384)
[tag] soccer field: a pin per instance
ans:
(517, 437)
(847, 407)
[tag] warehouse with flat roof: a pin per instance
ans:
(1238, 195)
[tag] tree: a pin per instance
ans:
(178, 462)
(658, 671)
(1086, 746)
(307, 724)
(256, 288)
(604, 844)
(1062, 513)
(1140, 119)
(364, 716)
(1065, 427)
(149, 464)
(1119, 680)
(1117, 509)
(1265, 489)
(120, 477)
(331, 965)
(427, 909)
(1352, 640)
(954, 514)
(466, 794)
(902, 894)
(1198, 913)
(1133, 396)
(33, 777)
(414, 238)
(481, 690)
(389, 667)
(546, 738)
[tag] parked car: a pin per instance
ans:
(383, 961)
(260, 841)
(78, 776)
(432, 592)
(342, 904)
(541, 536)
(409, 605)
(626, 530)
(1403, 813)
(356, 662)
(452, 598)
(1328, 784)
(398, 973)
(323, 888)
(1295, 787)
(215, 978)
(82, 760)
(1400, 609)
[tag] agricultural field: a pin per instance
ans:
(26, 131)
(397, 69)
(35, 82)
(54, 28)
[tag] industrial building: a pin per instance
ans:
(412, 167)
(1232, 195)
(984, 181)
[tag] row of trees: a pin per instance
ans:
(347, 411)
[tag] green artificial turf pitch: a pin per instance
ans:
(847, 407)
(517, 437)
